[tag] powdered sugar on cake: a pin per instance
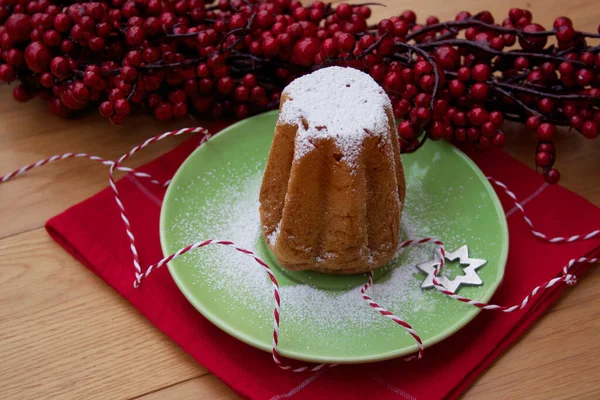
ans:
(336, 102)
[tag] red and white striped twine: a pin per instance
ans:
(64, 156)
(558, 239)
(140, 274)
(113, 185)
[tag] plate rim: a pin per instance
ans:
(225, 327)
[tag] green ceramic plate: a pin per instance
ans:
(214, 194)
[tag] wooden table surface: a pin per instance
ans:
(65, 334)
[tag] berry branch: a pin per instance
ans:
(453, 80)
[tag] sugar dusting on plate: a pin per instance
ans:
(232, 213)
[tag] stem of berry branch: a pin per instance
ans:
(430, 60)
(496, 28)
(415, 147)
(541, 93)
(372, 47)
(488, 49)
(524, 106)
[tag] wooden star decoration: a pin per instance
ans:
(470, 277)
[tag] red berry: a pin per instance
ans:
(366, 41)
(241, 111)
(315, 15)
(521, 63)
(409, 16)
(345, 42)
(329, 47)
(546, 131)
(249, 80)
(117, 119)
(37, 57)
(305, 51)
(271, 47)
(179, 110)
(60, 67)
(566, 68)
(14, 57)
(237, 21)
(385, 26)
(423, 113)
(264, 19)
(422, 100)
(405, 131)
(393, 82)
(20, 94)
(460, 134)
(546, 105)
(447, 57)
(587, 58)
(481, 72)
(135, 35)
(177, 96)
(295, 30)
(427, 82)
(496, 118)
(543, 159)
(343, 11)
(565, 33)
(584, 77)
(7, 73)
(225, 85)
(589, 129)
(478, 116)
(300, 13)
(464, 74)
(106, 109)
(456, 88)
(67, 46)
(576, 121)
(422, 67)
(533, 42)
(47, 80)
(241, 94)
(163, 111)
(484, 142)
(497, 43)
(459, 118)
(552, 176)
(402, 108)
(17, 27)
(436, 130)
(462, 16)
(80, 92)
(480, 91)
(488, 129)
(499, 140)
(532, 122)
(473, 134)
(96, 43)
(545, 147)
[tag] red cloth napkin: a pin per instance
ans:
(92, 232)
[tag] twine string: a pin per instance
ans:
(140, 274)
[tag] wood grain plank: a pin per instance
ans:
(558, 344)
(28, 132)
(557, 358)
(64, 333)
(204, 387)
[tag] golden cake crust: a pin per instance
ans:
(326, 210)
